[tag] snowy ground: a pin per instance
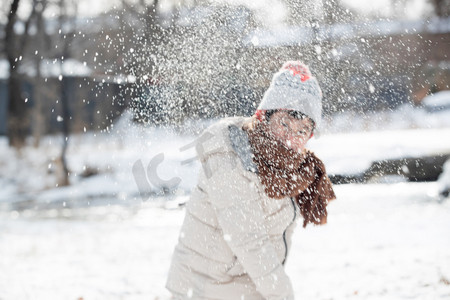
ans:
(97, 239)
(384, 241)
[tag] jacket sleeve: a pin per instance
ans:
(240, 215)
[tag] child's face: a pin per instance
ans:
(290, 131)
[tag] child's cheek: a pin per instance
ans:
(298, 144)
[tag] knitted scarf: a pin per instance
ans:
(286, 173)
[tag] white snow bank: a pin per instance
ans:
(444, 180)
(352, 153)
(4, 69)
(436, 101)
(31, 176)
(403, 117)
(56, 67)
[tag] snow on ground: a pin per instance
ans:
(383, 241)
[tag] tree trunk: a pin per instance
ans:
(66, 85)
(441, 8)
(17, 107)
(38, 127)
(17, 111)
(64, 179)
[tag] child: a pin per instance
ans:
(257, 179)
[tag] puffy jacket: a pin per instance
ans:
(234, 240)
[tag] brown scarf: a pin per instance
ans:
(287, 173)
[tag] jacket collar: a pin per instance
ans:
(241, 145)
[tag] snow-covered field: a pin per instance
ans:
(98, 239)
(384, 241)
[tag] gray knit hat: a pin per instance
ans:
(294, 88)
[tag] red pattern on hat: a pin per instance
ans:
(260, 114)
(299, 68)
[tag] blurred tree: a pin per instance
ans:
(67, 30)
(441, 7)
(19, 52)
(17, 106)
(41, 47)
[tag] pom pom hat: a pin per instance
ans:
(293, 88)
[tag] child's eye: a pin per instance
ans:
(284, 124)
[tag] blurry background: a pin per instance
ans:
(101, 102)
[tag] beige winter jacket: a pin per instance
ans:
(234, 240)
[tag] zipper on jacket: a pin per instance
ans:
(284, 232)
